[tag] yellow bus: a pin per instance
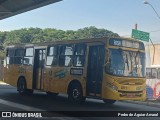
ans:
(106, 68)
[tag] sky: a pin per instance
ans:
(118, 16)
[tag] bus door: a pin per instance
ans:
(38, 70)
(95, 70)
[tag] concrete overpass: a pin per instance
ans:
(10, 8)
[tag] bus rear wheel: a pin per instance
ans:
(109, 102)
(21, 86)
(75, 93)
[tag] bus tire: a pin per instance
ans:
(109, 102)
(75, 93)
(21, 86)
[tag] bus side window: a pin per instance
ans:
(28, 57)
(10, 56)
(52, 55)
(79, 56)
(66, 55)
(19, 53)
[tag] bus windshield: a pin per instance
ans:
(126, 63)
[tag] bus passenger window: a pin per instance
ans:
(66, 53)
(61, 60)
(28, 58)
(52, 51)
(65, 60)
(68, 60)
(19, 53)
(52, 56)
(29, 52)
(10, 52)
(66, 50)
(79, 58)
(51, 60)
(80, 49)
(10, 56)
(79, 61)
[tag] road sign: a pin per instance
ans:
(140, 35)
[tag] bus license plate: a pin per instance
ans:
(130, 95)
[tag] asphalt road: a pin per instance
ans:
(10, 100)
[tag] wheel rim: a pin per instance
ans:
(75, 93)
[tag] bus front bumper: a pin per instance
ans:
(130, 93)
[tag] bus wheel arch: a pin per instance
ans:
(22, 86)
(75, 92)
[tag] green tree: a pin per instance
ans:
(35, 35)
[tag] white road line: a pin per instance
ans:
(20, 106)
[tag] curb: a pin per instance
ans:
(148, 103)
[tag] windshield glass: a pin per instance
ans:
(126, 63)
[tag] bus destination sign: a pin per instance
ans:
(124, 43)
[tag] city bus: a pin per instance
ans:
(153, 82)
(106, 68)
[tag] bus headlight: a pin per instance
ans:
(112, 86)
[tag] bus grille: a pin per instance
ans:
(131, 94)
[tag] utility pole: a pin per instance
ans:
(136, 25)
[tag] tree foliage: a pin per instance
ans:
(34, 35)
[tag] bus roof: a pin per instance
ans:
(102, 39)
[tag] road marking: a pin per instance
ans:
(19, 106)
(29, 108)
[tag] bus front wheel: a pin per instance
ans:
(21, 86)
(109, 102)
(75, 93)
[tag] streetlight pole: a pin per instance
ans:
(146, 2)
